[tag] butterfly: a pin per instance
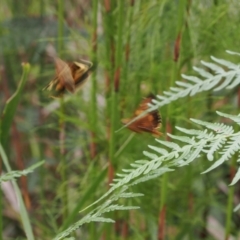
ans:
(150, 122)
(69, 76)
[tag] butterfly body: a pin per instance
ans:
(150, 122)
(69, 76)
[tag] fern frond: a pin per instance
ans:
(194, 154)
(153, 175)
(79, 223)
(216, 137)
(208, 81)
(118, 207)
(96, 214)
(236, 177)
(182, 138)
(170, 145)
(130, 195)
(217, 127)
(232, 146)
(237, 208)
(214, 146)
(15, 174)
(233, 53)
(235, 118)
(194, 132)
(193, 85)
(225, 63)
(215, 68)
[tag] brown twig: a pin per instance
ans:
(161, 226)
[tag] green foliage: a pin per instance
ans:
(91, 171)
(23, 212)
(11, 106)
(220, 79)
(216, 137)
(15, 174)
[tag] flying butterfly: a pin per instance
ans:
(150, 122)
(69, 76)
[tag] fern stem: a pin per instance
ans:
(124, 145)
(163, 190)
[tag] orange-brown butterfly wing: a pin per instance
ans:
(80, 72)
(63, 79)
(64, 75)
(151, 122)
(70, 76)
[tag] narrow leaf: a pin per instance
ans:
(11, 107)
(232, 117)
(210, 85)
(215, 165)
(192, 78)
(236, 177)
(213, 67)
(234, 83)
(224, 62)
(102, 219)
(233, 53)
(202, 72)
(184, 84)
(159, 150)
(171, 145)
(23, 211)
(237, 208)
(225, 83)
(150, 155)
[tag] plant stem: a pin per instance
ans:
(93, 108)
(63, 164)
(60, 27)
(230, 198)
(23, 212)
(124, 145)
(127, 52)
(115, 85)
(170, 123)
(93, 113)
(229, 212)
(42, 7)
(109, 31)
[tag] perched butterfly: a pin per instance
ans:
(69, 76)
(150, 122)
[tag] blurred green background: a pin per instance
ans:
(137, 48)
